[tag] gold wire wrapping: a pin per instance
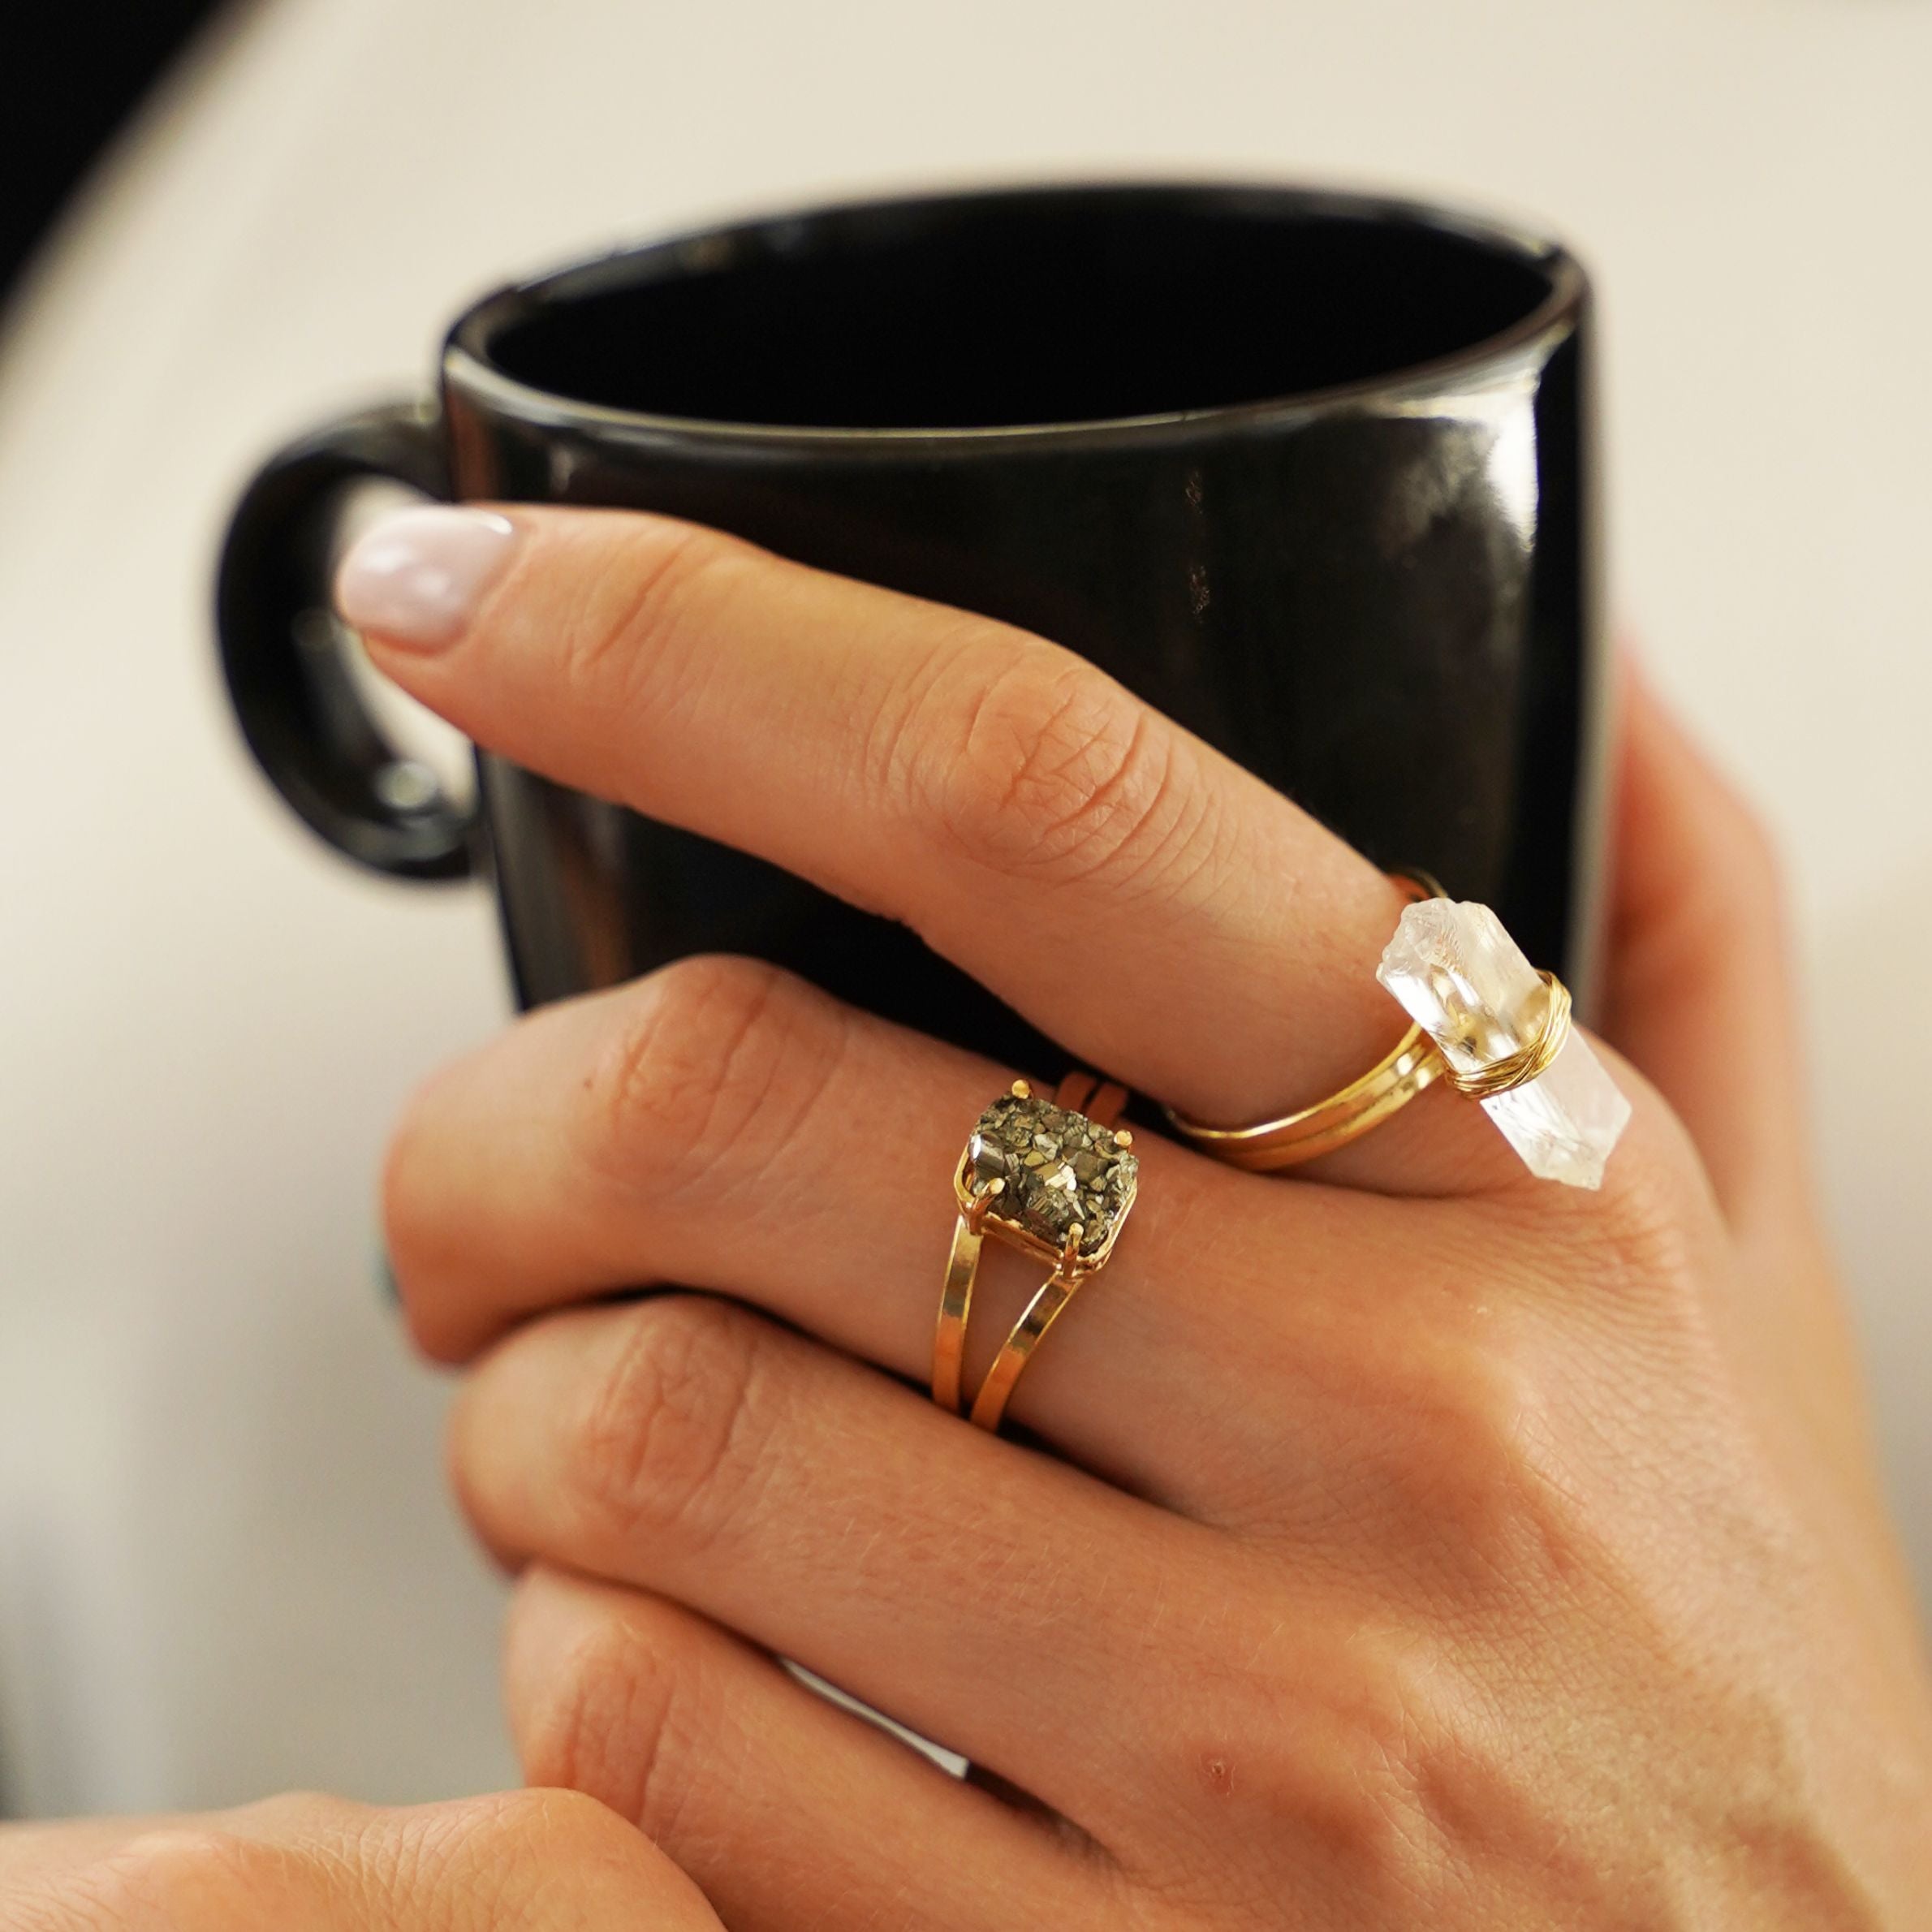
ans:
(1518, 1069)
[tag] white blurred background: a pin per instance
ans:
(225, 1561)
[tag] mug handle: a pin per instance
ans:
(297, 705)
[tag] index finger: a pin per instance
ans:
(1144, 899)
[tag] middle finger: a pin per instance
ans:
(721, 1125)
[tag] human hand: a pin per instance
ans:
(1419, 1543)
(536, 1861)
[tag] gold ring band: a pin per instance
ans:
(990, 1405)
(1052, 1178)
(1268, 1146)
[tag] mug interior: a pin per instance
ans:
(1010, 310)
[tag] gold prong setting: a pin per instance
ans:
(1049, 1178)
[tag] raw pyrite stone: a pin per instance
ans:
(1461, 975)
(1059, 1167)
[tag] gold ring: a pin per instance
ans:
(1413, 1063)
(1054, 1178)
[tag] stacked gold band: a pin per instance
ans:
(1268, 1146)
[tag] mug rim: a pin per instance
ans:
(468, 368)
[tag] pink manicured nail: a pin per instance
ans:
(413, 578)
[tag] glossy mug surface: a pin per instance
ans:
(1311, 472)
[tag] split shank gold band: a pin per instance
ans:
(1268, 1146)
(1053, 1179)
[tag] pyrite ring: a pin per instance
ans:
(1053, 1179)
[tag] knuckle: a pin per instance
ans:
(1640, 1247)
(419, 1237)
(1415, 1766)
(708, 1077)
(1645, 1247)
(614, 1870)
(540, 1820)
(197, 1873)
(616, 1716)
(1480, 1476)
(1317, 1739)
(1372, 1751)
(634, 605)
(1370, 1802)
(1048, 771)
(666, 1445)
(1475, 1460)
(490, 1860)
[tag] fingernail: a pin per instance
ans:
(413, 578)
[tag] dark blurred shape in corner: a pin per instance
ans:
(70, 72)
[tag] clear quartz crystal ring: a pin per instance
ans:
(1052, 1178)
(1504, 1030)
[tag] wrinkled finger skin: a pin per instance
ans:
(1084, 856)
(1399, 1543)
(633, 1698)
(540, 1861)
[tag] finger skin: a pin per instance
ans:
(786, 1809)
(689, 1448)
(1020, 810)
(32, 1857)
(1699, 992)
(721, 1126)
(1701, 998)
(540, 1861)
(1550, 1620)
(1494, 1720)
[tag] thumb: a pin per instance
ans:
(1699, 986)
(540, 1861)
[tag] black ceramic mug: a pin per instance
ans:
(1311, 472)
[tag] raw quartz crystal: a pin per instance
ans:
(1461, 975)
(1059, 1168)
